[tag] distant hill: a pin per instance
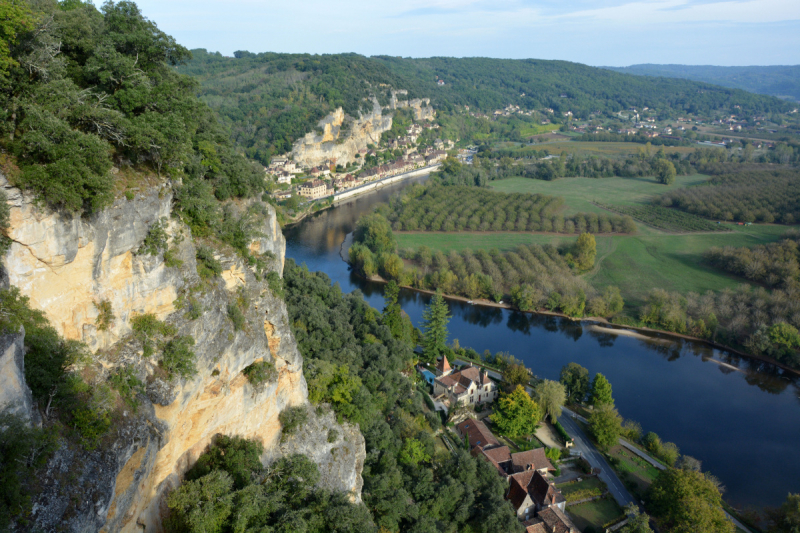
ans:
(269, 100)
(780, 81)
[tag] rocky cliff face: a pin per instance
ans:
(338, 143)
(67, 265)
(421, 106)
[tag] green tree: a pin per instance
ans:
(687, 501)
(575, 379)
(393, 315)
(665, 171)
(413, 453)
(516, 413)
(637, 522)
(202, 505)
(601, 391)
(605, 425)
(375, 233)
(585, 251)
(514, 375)
(434, 327)
(786, 519)
(15, 18)
(784, 335)
(551, 397)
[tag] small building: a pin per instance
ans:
(440, 83)
(530, 493)
(314, 189)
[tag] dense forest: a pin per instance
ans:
(269, 100)
(353, 358)
(774, 80)
(92, 105)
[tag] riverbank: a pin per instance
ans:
(373, 186)
(640, 332)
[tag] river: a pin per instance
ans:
(741, 418)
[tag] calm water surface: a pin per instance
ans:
(740, 418)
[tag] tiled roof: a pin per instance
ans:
(534, 526)
(536, 459)
(517, 492)
(543, 492)
(556, 520)
(477, 433)
(500, 458)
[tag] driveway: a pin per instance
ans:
(596, 460)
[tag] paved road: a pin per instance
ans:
(596, 460)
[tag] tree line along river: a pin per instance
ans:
(740, 417)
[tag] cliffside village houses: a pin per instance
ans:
(284, 169)
(535, 498)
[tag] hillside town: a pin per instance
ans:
(392, 157)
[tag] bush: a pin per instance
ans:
(146, 328)
(23, 450)
(332, 435)
(128, 385)
(237, 317)
(207, 265)
(260, 372)
(156, 240)
(275, 283)
(105, 315)
(178, 358)
(292, 418)
(561, 431)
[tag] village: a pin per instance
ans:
(393, 157)
(466, 392)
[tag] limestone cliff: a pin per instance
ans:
(421, 106)
(66, 265)
(341, 137)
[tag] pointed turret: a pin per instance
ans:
(443, 366)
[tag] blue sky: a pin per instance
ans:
(599, 32)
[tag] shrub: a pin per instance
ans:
(128, 385)
(561, 431)
(146, 328)
(23, 449)
(156, 240)
(171, 259)
(237, 317)
(292, 418)
(207, 265)
(5, 213)
(275, 283)
(105, 315)
(194, 309)
(260, 372)
(332, 435)
(178, 358)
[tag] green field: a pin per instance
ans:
(588, 483)
(634, 263)
(636, 469)
(609, 149)
(596, 513)
(639, 263)
(581, 193)
(538, 129)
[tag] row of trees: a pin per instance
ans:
(774, 264)
(475, 209)
(532, 276)
(353, 358)
(744, 196)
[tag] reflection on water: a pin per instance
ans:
(739, 416)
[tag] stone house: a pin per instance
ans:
(469, 386)
(314, 189)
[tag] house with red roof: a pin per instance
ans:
(468, 386)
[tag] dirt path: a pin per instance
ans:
(548, 436)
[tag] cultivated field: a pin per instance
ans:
(580, 194)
